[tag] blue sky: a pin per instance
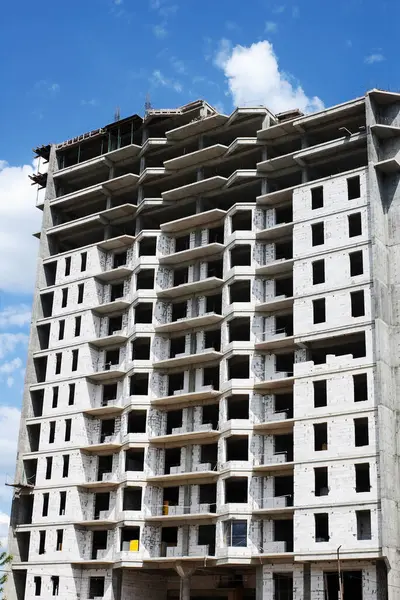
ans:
(66, 67)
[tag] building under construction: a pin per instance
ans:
(210, 406)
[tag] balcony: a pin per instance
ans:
(196, 127)
(192, 287)
(114, 273)
(179, 514)
(208, 355)
(201, 473)
(107, 481)
(92, 165)
(185, 397)
(276, 231)
(273, 462)
(105, 442)
(195, 159)
(197, 188)
(277, 415)
(115, 243)
(106, 371)
(277, 380)
(102, 408)
(184, 323)
(115, 337)
(181, 435)
(276, 267)
(118, 185)
(275, 303)
(385, 132)
(281, 338)
(206, 251)
(241, 176)
(280, 505)
(103, 519)
(203, 219)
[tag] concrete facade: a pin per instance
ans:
(210, 405)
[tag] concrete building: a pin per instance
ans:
(210, 405)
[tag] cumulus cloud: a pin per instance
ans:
(17, 315)
(254, 78)
(9, 342)
(18, 220)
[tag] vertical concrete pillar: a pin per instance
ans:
(184, 593)
(259, 582)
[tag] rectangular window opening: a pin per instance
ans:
(363, 524)
(357, 303)
(361, 434)
(78, 322)
(317, 197)
(83, 261)
(320, 394)
(353, 187)
(317, 234)
(321, 481)
(360, 387)
(321, 527)
(81, 289)
(363, 480)
(61, 329)
(319, 311)
(75, 354)
(320, 436)
(355, 227)
(318, 272)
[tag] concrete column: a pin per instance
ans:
(184, 592)
(259, 582)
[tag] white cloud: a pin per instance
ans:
(10, 341)
(254, 78)
(4, 524)
(160, 31)
(271, 27)
(178, 65)
(17, 315)
(374, 58)
(158, 79)
(19, 218)
(9, 428)
(10, 382)
(11, 366)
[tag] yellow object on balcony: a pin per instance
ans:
(165, 508)
(134, 546)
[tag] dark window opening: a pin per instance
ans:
(59, 539)
(172, 459)
(284, 403)
(38, 585)
(209, 455)
(240, 291)
(175, 383)
(137, 421)
(63, 502)
(34, 436)
(119, 259)
(361, 435)
(134, 459)
(356, 263)
(42, 542)
(64, 297)
(210, 415)
(320, 395)
(236, 533)
(83, 261)
(182, 243)
(37, 397)
(74, 363)
(318, 272)
(321, 481)
(283, 532)
(170, 498)
(81, 289)
(284, 250)
(145, 279)
(139, 384)
(360, 387)
(208, 495)
(363, 482)
(114, 324)
(101, 503)
(321, 522)
(55, 585)
(317, 197)
(61, 329)
(174, 420)
(240, 256)
(317, 234)
(40, 365)
(109, 393)
(130, 537)
(319, 311)
(283, 487)
(352, 585)
(107, 429)
(68, 424)
(283, 444)
(284, 324)
(49, 466)
(216, 235)
(46, 301)
(320, 436)
(99, 542)
(357, 303)
(78, 323)
(283, 214)
(177, 345)
(54, 402)
(241, 221)
(214, 304)
(43, 332)
(58, 363)
(283, 586)
(236, 490)
(215, 268)
(71, 394)
(211, 377)
(284, 363)
(353, 187)
(65, 470)
(355, 227)
(132, 498)
(363, 524)
(96, 587)
(52, 431)
(206, 537)
(24, 506)
(116, 291)
(237, 407)
(104, 465)
(45, 505)
(180, 276)
(239, 367)
(212, 339)
(284, 287)
(30, 468)
(144, 312)
(338, 346)
(50, 270)
(239, 329)
(237, 448)
(169, 539)
(67, 270)
(179, 311)
(147, 246)
(141, 348)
